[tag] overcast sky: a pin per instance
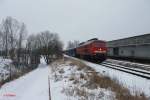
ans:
(81, 19)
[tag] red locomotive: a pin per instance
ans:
(93, 49)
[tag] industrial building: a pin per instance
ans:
(137, 47)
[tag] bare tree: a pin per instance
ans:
(21, 37)
(1, 43)
(13, 35)
(46, 44)
(76, 43)
(12, 38)
(5, 32)
(33, 45)
(70, 45)
(73, 44)
(51, 46)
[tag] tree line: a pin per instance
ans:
(73, 44)
(46, 44)
(24, 49)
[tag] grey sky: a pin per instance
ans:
(81, 19)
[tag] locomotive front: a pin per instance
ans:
(99, 50)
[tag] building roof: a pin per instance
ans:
(131, 41)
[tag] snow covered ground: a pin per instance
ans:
(32, 86)
(132, 82)
(66, 84)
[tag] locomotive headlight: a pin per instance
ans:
(100, 49)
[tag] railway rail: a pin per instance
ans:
(131, 70)
(134, 71)
(130, 64)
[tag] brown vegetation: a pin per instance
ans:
(94, 80)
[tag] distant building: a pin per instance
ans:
(132, 47)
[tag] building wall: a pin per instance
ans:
(110, 52)
(141, 51)
(137, 46)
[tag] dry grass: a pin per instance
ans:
(94, 81)
(80, 65)
(72, 77)
(61, 71)
(122, 93)
(83, 94)
(75, 91)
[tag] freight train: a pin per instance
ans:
(93, 50)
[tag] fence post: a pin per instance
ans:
(49, 88)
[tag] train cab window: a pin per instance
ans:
(99, 44)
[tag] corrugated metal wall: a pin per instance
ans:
(137, 47)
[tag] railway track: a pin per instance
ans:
(131, 70)
(130, 64)
(134, 71)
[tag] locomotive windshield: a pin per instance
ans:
(99, 44)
